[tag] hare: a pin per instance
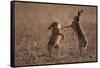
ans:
(55, 38)
(75, 25)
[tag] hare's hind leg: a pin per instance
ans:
(57, 51)
(85, 48)
(50, 50)
(82, 49)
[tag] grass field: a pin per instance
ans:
(32, 35)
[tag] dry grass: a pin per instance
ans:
(32, 35)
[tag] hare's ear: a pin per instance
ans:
(50, 26)
(81, 11)
(78, 13)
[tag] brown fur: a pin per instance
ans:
(75, 25)
(55, 36)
